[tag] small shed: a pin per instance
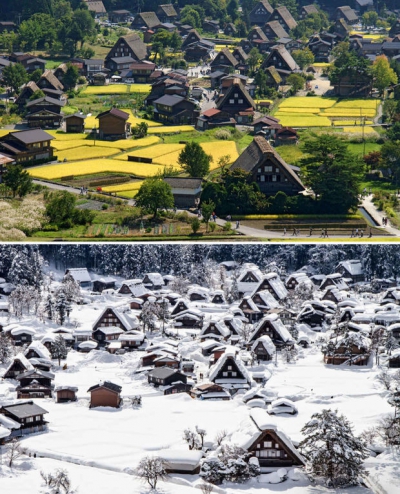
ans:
(105, 394)
(81, 276)
(63, 394)
(104, 283)
(75, 123)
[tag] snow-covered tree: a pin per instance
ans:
(202, 434)
(245, 331)
(385, 379)
(332, 450)
(59, 482)
(149, 315)
(62, 306)
(71, 288)
(394, 401)
(13, 451)
(163, 313)
(152, 469)
(59, 349)
(237, 468)
(7, 348)
(212, 471)
(289, 354)
(192, 439)
(49, 308)
(23, 300)
(180, 285)
(388, 429)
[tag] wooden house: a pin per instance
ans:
(352, 348)
(81, 276)
(260, 13)
(49, 81)
(4, 162)
(224, 61)
(105, 394)
(347, 14)
(174, 109)
(19, 365)
(145, 20)
(272, 326)
(8, 26)
(134, 288)
(28, 415)
(282, 60)
(353, 87)
(264, 301)
(217, 297)
(270, 445)
(284, 17)
(34, 384)
(263, 348)
(199, 51)
(267, 124)
(44, 112)
(26, 93)
(352, 270)
(250, 309)
(114, 124)
(167, 361)
(153, 281)
(307, 10)
(75, 123)
(395, 29)
(186, 191)
(335, 279)
(241, 56)
(230, 29)
(165, 376)
(129, 45)
(210, 26)
(212, 118)
(65, 394)
(198, 294)
(210, 391)
(118, 65)
(193, 36)
(191, 318)
(104, 283)
(237, 102)
(105, 335)
(296, 279)
(249, 278)
(268, 169)
(230, 373)
(286, 136)
(214, 329)
(178, 387)
(131, 340)
(115, 318)
(27, 146)
(258, 39)
(36, 350)
(141, 71)
(97, 7)
(119, 16)
(167, 13)
(394, 359)
(21, 335)
(273, 30)
(180, 306)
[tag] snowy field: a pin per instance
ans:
(101, 447)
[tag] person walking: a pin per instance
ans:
(362, 233)
(311, 231)
(284, 231)
(356, 234)
(326, 233)
(237, 224)
(352, 233)
(322, 233)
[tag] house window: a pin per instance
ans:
(225, 374)
(267, 444)
(38, 417)
(23, 338)
(29, 419)
(274, 178)
(277, 170)
(233, 374)
(231, 101)
(240, 101)
(262, 178)
(272, 453)
(236, 95)
(259, 170)
(268, 168)
(229, 367)
(276, 445)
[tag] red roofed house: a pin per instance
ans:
(286, 135)
(113, 124)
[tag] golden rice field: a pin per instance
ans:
(360, 130)
(91, 121)
(345, 123)
(117, 89)
(170, 129)
(64, 136)
(135, 120)
(51, 172)
(305, 111)
(220, 148)
(120, 145)
(155, 151)
(85, 152)
(123, 187)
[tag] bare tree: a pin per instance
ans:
(7, 348)
(206, 488)
(152, 469)
(179, 285)
(13, 451)
(202, 433)
(192, 438)
(220, 436)
(385, 379)
(58, 481)
(245, 331)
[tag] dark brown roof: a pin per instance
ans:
(257, 152)
(149, 18)
(184, 183)
(277, 29)
(236, 83)
(168, 9)
(310, 9)
(286, 16)
(259, 32)
(45, 99)
(23, 410)
(243, 55)
(48, 74)
(136, 44)
(31, 136)
(228, 55)
(114, 111)
(96, 6)
(108, 385)
(286, 56)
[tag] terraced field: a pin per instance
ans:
(117, 89)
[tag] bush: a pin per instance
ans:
(104, 207)
(183, 216)
(223, 134)
(212, 226)
(148, 229)
(227, 227)
(195, 224)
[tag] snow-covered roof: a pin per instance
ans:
(353, 267)
(277, 286)
(181, 459)
(23, 360)
(155, 278)
(276, 323)
(249, 301)
(8, 422)
(110, 330)
(216, 368)
(66, 388)
(40, 349)
(266, 343)
(79, 274)
(199, 290)
(88, 344)
(136, 288)
(219, 326)
(283, 402)
(4, 432)
(192, 313)
(128, 321)
(50, 338)
(22, 330)
(268, 300)
(137, 336)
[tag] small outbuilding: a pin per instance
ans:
(63, 394)
(164, 376)
(105, 394)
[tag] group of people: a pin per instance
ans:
(384, 221)
(357, 233)
(83, 191)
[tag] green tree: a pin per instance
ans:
(207, 208)
(175, 41)
(394, 132)
(332, 172)
(369, 18)
(60, 207)
(195, 224)
(390, 109)
(36, 75)
(254, 59)
(15, 76)
(303, 57)
(383, 74)
(140, 130)
(71, 76)
(232, 9)
(18, 180)
(194, 160)
(163, 37)
(154, 194)
(36, 95)
(390, 159)
(297, 82)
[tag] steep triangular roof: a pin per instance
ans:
(228, 95)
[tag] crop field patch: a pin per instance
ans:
(359, 103)
(170, 129)
(218, 149)
(299, 110)
(117, 89)
(85, 152)
(308, 102)
(298, 120)
(123, 187)
(155, 151)
(117, 146)
(360, 130)
(64, 136)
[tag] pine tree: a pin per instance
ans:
(332, 450)
(59, 349)
(6, 348)
(49, 307)
(62, 306)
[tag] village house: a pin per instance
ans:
(307, 10)
(230, 29)
(394, 359)
(112, 317)
(286, 136)
(282, 60)
(97, 7)
(175, 110)
(75, 123)
(352, 269)
(140, 72)
(284, 17)
(273, 284)
(214, 329)
(192, 318)
(230, 372)
(28, 415)
(261, 13)
(186, 191)
(352, 348)
(268, 169)
(49, 81)
(114, 124)
(65, 394)
(145, 20)
(22, 335)
(165, 376)
(258, 39)
(210, 26)
(167, 13)
(250, 309)
(264, 301)
(153, 281)
(36, 350)
(134, 288)
(295, 279)
(105, 335)
(347, 14)
(105, 394)
(272, 326)
(129, 45)
(224, 61)
(198, 294)
(210, 391)
(104, 283)
(44, 112)
(119, 16)
(270, 445)
(27, 146)
(81, 276)
(212, 118)
(263, 348)
(237, 102)
(180, 306)
(117, 65)
(335, 279)
(34, 384)
(131, 340)
(19, 365)
(273, 30)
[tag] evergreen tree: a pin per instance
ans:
(49, 307)
(6, 348)
(332, 450)
(59, 349)
(62, 306)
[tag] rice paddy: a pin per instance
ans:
(118, 89)
(170, 129)
(303, 111)
(85, 152)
